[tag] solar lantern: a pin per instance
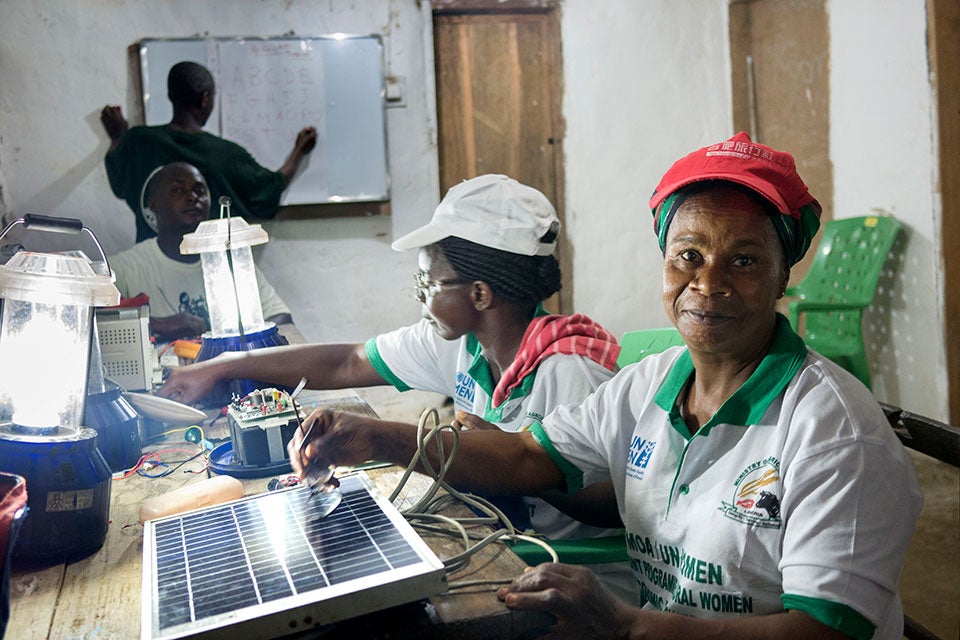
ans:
(233, 296)
(46, 333)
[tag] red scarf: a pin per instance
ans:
(545, 336)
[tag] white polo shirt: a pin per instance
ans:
(796, 495)
(416, 357)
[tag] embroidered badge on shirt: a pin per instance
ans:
(756, 495)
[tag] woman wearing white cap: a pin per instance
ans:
(763, 491)
(485, 265)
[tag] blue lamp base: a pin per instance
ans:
(211, 347)
(117, 425)
(68, 487)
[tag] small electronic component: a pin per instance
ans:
(261, 424)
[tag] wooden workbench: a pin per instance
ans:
(100, 596)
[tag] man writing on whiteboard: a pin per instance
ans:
(230, 170)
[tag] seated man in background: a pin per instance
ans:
(231, 171)
(177, 194)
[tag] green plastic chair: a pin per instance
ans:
(840, 284)
(638, 344)
(634, 346)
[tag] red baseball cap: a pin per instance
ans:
(771, 173)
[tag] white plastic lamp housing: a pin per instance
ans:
(229, 296)
(45, 333)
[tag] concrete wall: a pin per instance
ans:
(884, 151)
(639, 93)
(644, 81)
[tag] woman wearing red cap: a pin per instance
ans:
(763, 492)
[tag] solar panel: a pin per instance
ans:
(265, 566)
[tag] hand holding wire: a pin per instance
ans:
(330, 438)
(324, 493)
(317, 476)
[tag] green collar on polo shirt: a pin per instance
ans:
(479, 370)
(748, 403)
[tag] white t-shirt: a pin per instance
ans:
(175, 286)
(810, 507)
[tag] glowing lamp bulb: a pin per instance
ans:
(45, 336)
(229, 275)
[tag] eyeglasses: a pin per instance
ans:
(423, 288)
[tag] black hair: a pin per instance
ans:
(156, 179)
(518, 279)
(159, 178)
(187, 82)
(153, 184)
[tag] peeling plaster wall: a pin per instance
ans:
(884, 151)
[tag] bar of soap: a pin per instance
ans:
(193, 496)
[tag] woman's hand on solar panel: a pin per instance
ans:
(333, 437)
(575, 596)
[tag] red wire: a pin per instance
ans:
(154, 456)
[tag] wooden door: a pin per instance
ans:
(498, 98)
(781, 88)
(944, 44)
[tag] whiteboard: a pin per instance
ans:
(268, 89)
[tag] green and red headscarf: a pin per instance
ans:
(768, 172)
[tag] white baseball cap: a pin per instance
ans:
(492, 210)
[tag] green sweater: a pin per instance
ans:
(228, 168)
